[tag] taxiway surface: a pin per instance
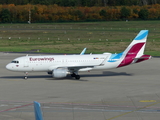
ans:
(128, 93)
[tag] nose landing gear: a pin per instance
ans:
(26, 76)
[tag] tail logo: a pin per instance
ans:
(135, 49)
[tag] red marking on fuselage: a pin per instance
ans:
(131, 54)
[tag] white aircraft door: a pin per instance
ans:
(26, 60)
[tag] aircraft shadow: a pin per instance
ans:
(49, 77)
(46, 77)
(108, 73)
(21, 77)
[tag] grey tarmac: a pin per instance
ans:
(127, 93)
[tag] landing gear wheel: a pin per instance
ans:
(25, 76)
(73, 75)
(77, 77)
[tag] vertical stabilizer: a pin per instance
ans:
(37, 111)
(83, 51)
(135, 51)
(137, 46)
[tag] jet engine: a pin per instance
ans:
(59, 72)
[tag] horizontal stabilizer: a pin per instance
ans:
(142, 58)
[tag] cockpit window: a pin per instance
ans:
(15, 61)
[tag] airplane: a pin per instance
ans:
(62, 65)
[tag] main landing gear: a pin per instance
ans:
(26, 75)
(76, 76)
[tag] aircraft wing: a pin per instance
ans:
(76, 68)
(81, 68)
(86, 68)
(71, 67)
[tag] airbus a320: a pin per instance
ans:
(62, 65)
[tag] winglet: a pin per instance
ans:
(37, 111)
(84, 50)
(103, 62)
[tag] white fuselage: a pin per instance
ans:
(51, 62)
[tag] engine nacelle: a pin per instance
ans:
(60, 72)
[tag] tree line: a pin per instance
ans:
(88, 3)
(53, 13)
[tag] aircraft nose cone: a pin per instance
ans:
(8, 67)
